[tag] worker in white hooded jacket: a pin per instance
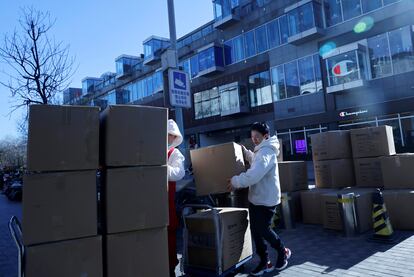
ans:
(262, 179)
(176, 172)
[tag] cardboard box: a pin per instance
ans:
(59, 206)
(293, 176)
(311, 205)
(134, 136)
(214, 165)
(400, 207)
(81, 257)
(248, 143)
(63, 138)
(398, 171)
(140, 253)
(368, 172)
(332, 145)
(372, 142)
(332, 218)
(334, 173)
(235, 233)
(136, 198)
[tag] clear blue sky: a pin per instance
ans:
(98, 32)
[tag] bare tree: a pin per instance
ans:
(12, 152)
(41, 65)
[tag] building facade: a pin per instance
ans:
(301, 66)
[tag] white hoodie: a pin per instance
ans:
(263, 176)
(175, 169)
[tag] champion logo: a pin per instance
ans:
(342, 69)
(344, 114)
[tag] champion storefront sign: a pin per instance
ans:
(343, 68)
(357, 113)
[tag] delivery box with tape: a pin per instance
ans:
(234, 236)
(213, 166)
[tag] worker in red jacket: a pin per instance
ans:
(175, 173)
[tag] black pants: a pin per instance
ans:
(260, 221)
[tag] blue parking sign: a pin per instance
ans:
(179, 84)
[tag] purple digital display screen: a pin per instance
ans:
(300, 146)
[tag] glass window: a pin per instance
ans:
(238, 48)
(229, 99)
(217, 9)
(301, 19)
(250, 44)
(196, 36)
(318, 74)
(379, 54)
(206, 107)
(351, 8)
(260, 89)
(284, 29)
(207, 30)
(408, 134)
(215, 106)
(402, 50)
(299, 144)
(306, 17)
(292, 80)
(273, 33)
(317, 11)
(370, 5)
(194, 66)
(333, 12)
(206, 59)
(294, 22)
(278, 79)
(198, 113)
(386, 2)
(228, 52)
(343, 68)
(261, 39)
(307, 76)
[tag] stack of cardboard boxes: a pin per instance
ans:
(135, 194)
(374, 165)
(213, 166)
(60, 229)
(293, 177)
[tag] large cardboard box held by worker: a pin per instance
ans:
(134, 136)
(63, 138)
(332, 145)
(331, 209)
(135, 198)
(311, 205)
(234, 233)
(398, 171)
(59, 206)
(293, 176)
(80, 257)
(140, 253)
(334, 173)
(372, 142)
(368, 172)
(400, 207)
(214, 165)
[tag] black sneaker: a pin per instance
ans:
(282, 260)
(262, 269)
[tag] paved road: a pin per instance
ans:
(8, 252)
(316, 252)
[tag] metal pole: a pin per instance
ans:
(173, 46)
